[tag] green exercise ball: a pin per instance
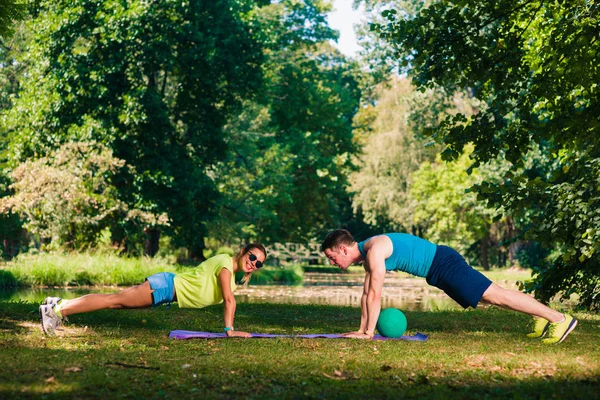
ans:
(391, 323)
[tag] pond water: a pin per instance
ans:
(400, 291)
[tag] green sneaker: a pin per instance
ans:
(558, 331)
(539, 327)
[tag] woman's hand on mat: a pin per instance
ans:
(238, 334)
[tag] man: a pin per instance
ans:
(443, 268)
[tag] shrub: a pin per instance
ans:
(291, 275)
(7, 279)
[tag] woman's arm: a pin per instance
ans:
(229, 302)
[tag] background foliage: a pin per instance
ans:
(166, 127)
(534, 67)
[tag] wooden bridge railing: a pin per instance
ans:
(295, 253)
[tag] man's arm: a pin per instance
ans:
(363, 303)
(363, 307)
(378, 250)
(377, 266)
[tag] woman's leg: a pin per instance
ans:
(518, 301)
(139, 296)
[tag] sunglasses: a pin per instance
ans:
(253, 258)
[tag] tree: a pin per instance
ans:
(534, 65)
(392, 153)
(67, 198)
(285, 176)
(10, 11)
(11, 232)
(155, 82)
(451, 215)
(377, 55)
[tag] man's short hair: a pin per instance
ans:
(337, 238)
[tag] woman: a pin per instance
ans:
(212, 282)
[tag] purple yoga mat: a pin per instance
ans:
(209, 335)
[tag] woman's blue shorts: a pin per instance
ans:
(450, 272)
(163, 285)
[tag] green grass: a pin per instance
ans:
(507, 274)
(127, 354)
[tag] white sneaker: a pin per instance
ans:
(49, 319)
(52, 301)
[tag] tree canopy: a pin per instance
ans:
(153, 81)
(292, 145)
(535, 66)
(237, 119)
(10, 12)
(232, 118)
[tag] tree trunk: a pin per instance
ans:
(197, 251)
(514, 246)
(12, 243)
(483, 258)
(117, 238)
(152, 236)
(417, 230)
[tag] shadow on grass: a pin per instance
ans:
(279, 318)
(13, 314)
(108, 373)
(136, 383)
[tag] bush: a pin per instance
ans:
(7, 279)
(68, 198)
(325, 269)
(292, 275)
(532, 255)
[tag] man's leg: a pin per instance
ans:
(518, 301)
(560, 324)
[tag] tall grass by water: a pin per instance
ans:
(108, 269)
(83, 269)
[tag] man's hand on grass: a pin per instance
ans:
(238, 334)
(358, 335)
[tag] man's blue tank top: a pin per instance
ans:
(410, 254)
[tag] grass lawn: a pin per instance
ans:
(127, 354)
